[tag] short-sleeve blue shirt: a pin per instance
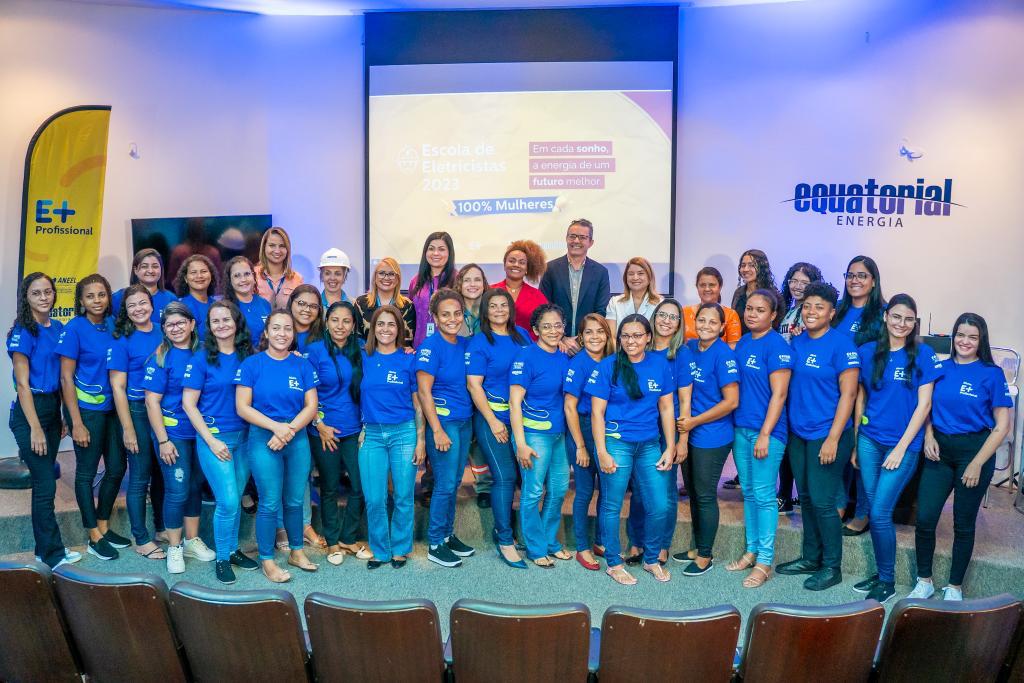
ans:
(446, 362)
(493, 362)
(711, 369)
(337, 409)
(129, 355)
(43, 362)
(217, 386)
(966, 394)
(278, 386)
(758, 359)
(541, 373)
(87, 343)
(387, 387)
(581, 366)
(632, 420)
(168, 381)
(814, 386)
(255, 313)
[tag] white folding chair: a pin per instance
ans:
(1009, 361)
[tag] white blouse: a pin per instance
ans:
(618, 309)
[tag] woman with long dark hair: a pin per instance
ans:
(195, 284)
(754, 273)
(304, 305)
(176, 437)
(89, 410)
(148, 271)
(436, 271)
(897, 378)
(970, 418)
(221, 435)
(35, 415)
(239, 285)
(489, 359)
(136, 337)
(626, 390)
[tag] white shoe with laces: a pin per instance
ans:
(175, 559)
(923, 590)
(194, 547)
(952, 594)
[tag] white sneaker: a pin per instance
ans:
(952, 594)
(70, 557)
(175, 559)
(923, 590)
(194, 547)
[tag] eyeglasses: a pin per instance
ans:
(307, 305)
(862, 276)
(793, 282)
(670, 317)
(386, 274)
(902, 320)
(577, 238)
(552, 327)
(632, 337)
(175, 325)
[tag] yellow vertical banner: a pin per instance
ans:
(63, 200)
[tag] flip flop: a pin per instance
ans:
(285, 577)
(658, 572)
(304, 567)
(149, 555)
(620, 575)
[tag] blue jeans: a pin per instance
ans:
(141, 476)
(637, 513)
(586, 479)
(636, 462)
(389, 448)
(883, 488)
(282, 478)
(307, 501)
(757, 479)
(183, 485)
(501, 460)
(227, 481)
(850, 478)
(448, 468)
(551, 471)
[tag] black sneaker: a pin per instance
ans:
(458, 547)
(243, 561)
(102, 549)
(442, 555)
(694, 569)
(867, 584)
(116, 540)
(882, 592)
(225, 574)
(785, 506)
(733, 483)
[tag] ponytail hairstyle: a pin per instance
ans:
(711, 271)
(871, 317)
(181, 279)
(174, 308)
(243, 337)
(444, 294)
(80, 290)
(316, 328)
(774, 303)
(264, 343)
(485, 323)
(123, 325)
(677, 339)
(715, 307)
(623, 368)
(23, 312)
(602, 322)
(984, 349)
(371, 337)
(423, 276)
(351, 350)
(140, 256)
(227, 288)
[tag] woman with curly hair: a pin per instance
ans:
(195, 285)
(755, 273)
(524, 261)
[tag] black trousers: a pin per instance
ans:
(701, 472)
(338, 527)
(48, 544)
(817, 485)
(104, 435)
(938, 480)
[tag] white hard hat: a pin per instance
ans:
(334, 257)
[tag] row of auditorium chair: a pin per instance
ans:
(76, 624)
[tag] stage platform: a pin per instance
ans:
(996, 567)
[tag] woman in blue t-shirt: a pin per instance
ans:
(970, 418)
(822, 391)
(89, 411)
(714, 397)
(35, 413)
(175, 436)
(148, 271)
(195, 285)
(489, 357)
(441, 378)
(209, 402)
(627, 391)
(239, 286)
(334, 434)
(596, 343)
(765, 365)
(393, 443)
(537, 416)
(135, 339)
(276, 395)
(895, 398)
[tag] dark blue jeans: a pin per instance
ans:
(817, 485)
(448, 468)
(587, 481)
(183, 484)
(883, 488)
(48, 544)
(104, 442)
(281, 478)
(501, 460)
(142, 474)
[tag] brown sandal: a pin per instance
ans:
(754, 580)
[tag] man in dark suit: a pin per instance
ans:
(579, 285)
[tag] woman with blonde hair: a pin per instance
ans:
(524, 262)
(639, 293)
(275, 278)
(385, 290)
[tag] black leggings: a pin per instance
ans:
(103, 442)
(701, 472)
(938, 480)
(335, 526)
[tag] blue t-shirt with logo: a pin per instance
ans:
(849, 326)
(43, 362)
(160, 299)
(336, 409)
(966, 394)
(541, 373)
(199, 310)
(814, 387)
(633, 420)
(217, 386)
(581, 366)
(446, 363)
(493, 362)
(129, 355)
(711, 369)
(758, 359)
(168, 381)
(888, 407)
(87, 343)
(387, 387)
(302, 343)
(680, 366)
(255, 313)
(278, 386)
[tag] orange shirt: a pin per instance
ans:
(277, 292)
(731, 333)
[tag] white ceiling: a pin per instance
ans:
(342, 7)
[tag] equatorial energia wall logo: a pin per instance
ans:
(874, 205)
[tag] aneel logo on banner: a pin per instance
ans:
(870, 204)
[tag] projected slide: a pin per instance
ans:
(490, 167)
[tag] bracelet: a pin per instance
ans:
(161, 443)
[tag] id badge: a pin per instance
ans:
(430, 329)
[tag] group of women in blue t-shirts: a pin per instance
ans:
(814, 385)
